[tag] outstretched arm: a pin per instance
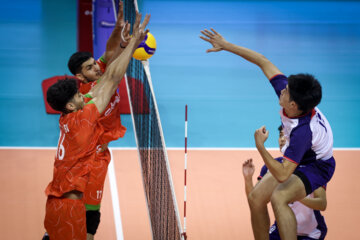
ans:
(119, 37)
(318, 202)
(219, 43)
(103, 91)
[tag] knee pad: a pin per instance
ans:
(92, 221)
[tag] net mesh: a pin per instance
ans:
(164, 217)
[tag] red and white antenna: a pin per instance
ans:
(184, 233)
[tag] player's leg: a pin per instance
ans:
(305, 180)
(65, 219)
(258, 199)
(291, 190)
(94, 192)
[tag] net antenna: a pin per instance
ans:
(155, 167)
(185, 171)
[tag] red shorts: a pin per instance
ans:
(98, 170)
(65, 219)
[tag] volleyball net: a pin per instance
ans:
(157, 180)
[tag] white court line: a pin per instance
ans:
(115, 199)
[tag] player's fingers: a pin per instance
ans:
(121, 7)
(204, 38)
(214, 31)
(263, 129)
(206, 34)
(213, 50)
(121, 10)
(137, 20)
(146, 21)
(127, 30)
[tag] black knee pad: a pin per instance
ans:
(92, 221)
(45, 237)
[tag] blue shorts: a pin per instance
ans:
(315, 174)
(274, 234)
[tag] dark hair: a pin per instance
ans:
(76, 60)
(305, 90)
(280, 128)
(60, 93)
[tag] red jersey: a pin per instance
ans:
(110, 119)
(79, 135)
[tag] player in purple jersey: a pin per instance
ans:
(308, 162)
(310, 223)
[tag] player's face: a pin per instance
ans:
(281, 139)
(78, 101)
(284, 99)
(289, 105)
(90, 71)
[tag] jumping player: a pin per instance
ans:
(310, 223)
(89, 72)
(308, 159)
(79, 134)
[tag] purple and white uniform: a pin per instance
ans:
(309, 143)
(310, 223)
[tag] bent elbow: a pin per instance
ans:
(282, 178)
(323, 207)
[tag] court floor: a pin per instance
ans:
(216, 204)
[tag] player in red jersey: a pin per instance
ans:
(89, 72)
(80, 132)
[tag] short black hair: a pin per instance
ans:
(76, 60)
(60, 93)
(280, 128)
(305, 90)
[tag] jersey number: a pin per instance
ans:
(98, 194)
(61, 149)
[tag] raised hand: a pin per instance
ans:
(216, 40)
(248, 168)
(124, 26)
(261, 136)
(139, 31)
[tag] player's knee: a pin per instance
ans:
(92, 221)
(256, 200)
(278, 198)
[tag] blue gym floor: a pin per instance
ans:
(228, 97)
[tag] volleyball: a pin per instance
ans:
(146, 48)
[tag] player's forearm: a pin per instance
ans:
(117, 68)
(314, 203)
(276, 168)
(115, 54)
(268, 68)
(113, 43)
(245, 53)
(103, 91)
(248, 185)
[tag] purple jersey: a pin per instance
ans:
(308, 137)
